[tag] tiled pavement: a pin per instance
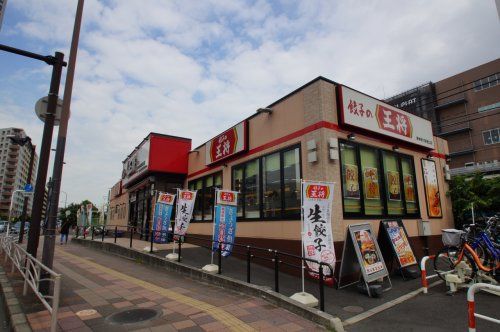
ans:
(110, 284)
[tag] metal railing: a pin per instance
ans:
(32, 271)
(471, 304)
(249, 253)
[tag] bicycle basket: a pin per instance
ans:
(451, 237)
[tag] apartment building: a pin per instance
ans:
(14, 165)
(465, 110)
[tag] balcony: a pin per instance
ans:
(454, 131)
(487, 167)
(461, 153)
(450, 104)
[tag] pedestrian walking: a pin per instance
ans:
(65, 231)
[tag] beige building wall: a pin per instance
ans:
(118, 206)
(311, 113)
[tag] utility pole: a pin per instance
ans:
(49, 240)
(36, 214)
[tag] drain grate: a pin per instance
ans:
(353, 309)
(133, 316)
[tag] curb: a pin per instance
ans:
(270, 296)
(13, 311)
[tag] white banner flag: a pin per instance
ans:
(317, 199)
(184, 213)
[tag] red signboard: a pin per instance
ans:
(187, 195)
(394, 121)
(227, 144)
(226, 197)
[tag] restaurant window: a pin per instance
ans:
(371, 181)
(278, 174)
(204, 204)
(392, 184)
(377, 182)
(350, 178)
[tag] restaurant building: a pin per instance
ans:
(158, 163)
(385, 164)
(375, 154)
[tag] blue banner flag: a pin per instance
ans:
(161, 222)
(225, 228)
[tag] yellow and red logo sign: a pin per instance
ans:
(317, 191)
(187, 195)
(166, 198)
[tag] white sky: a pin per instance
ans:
(194, 68)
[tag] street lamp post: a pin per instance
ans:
(10, 208)
(22, 141)
(65, 197)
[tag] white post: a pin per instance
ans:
(175, 222)
(472, 209)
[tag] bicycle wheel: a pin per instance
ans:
(468, 267)
(444, 262)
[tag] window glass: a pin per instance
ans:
(199, 197)
(371, 183)
(350, 178)
(487, 137)
(208, 198)
(291, 176)
(409, 186)
(495, 135)
(271, 177)
(252, 202)
(238, 186)
(392, 184)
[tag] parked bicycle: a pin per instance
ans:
(474, 249)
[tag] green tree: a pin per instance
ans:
(483, 193)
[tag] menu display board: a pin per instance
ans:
(361, 255)
(431, 185)
(392, 233)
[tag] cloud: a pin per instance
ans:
(194, 68)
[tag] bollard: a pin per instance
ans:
(92, 229)
(321, 289)
(103, 233)
(276, 272)
(249, 257)
(131, 235)
(151, 247)
(220, 258)
(84, 233)
(77, 231)
(179, 243)
(116, 232)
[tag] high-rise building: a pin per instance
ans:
(14, 166)
(464, 110)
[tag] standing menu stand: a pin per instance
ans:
(362, 254)
(393, 240)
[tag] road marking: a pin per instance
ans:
(387, 305)
(220, 315)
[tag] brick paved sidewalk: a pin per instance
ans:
(109, 284)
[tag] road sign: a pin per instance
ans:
(28, 187)
(41, 109)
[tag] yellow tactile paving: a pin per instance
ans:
(221, 315)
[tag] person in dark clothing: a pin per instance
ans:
(65, 231)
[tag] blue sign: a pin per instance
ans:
(28, 187)
(225, 228)
(161, 222)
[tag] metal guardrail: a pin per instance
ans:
(32, 269)
(247, 252)
(471, 304)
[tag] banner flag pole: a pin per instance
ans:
(302, 232)
(213, 228)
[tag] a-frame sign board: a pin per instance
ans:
(393, 240)
(361, 257)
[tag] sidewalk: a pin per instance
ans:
(403, 308)
(96, 285)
